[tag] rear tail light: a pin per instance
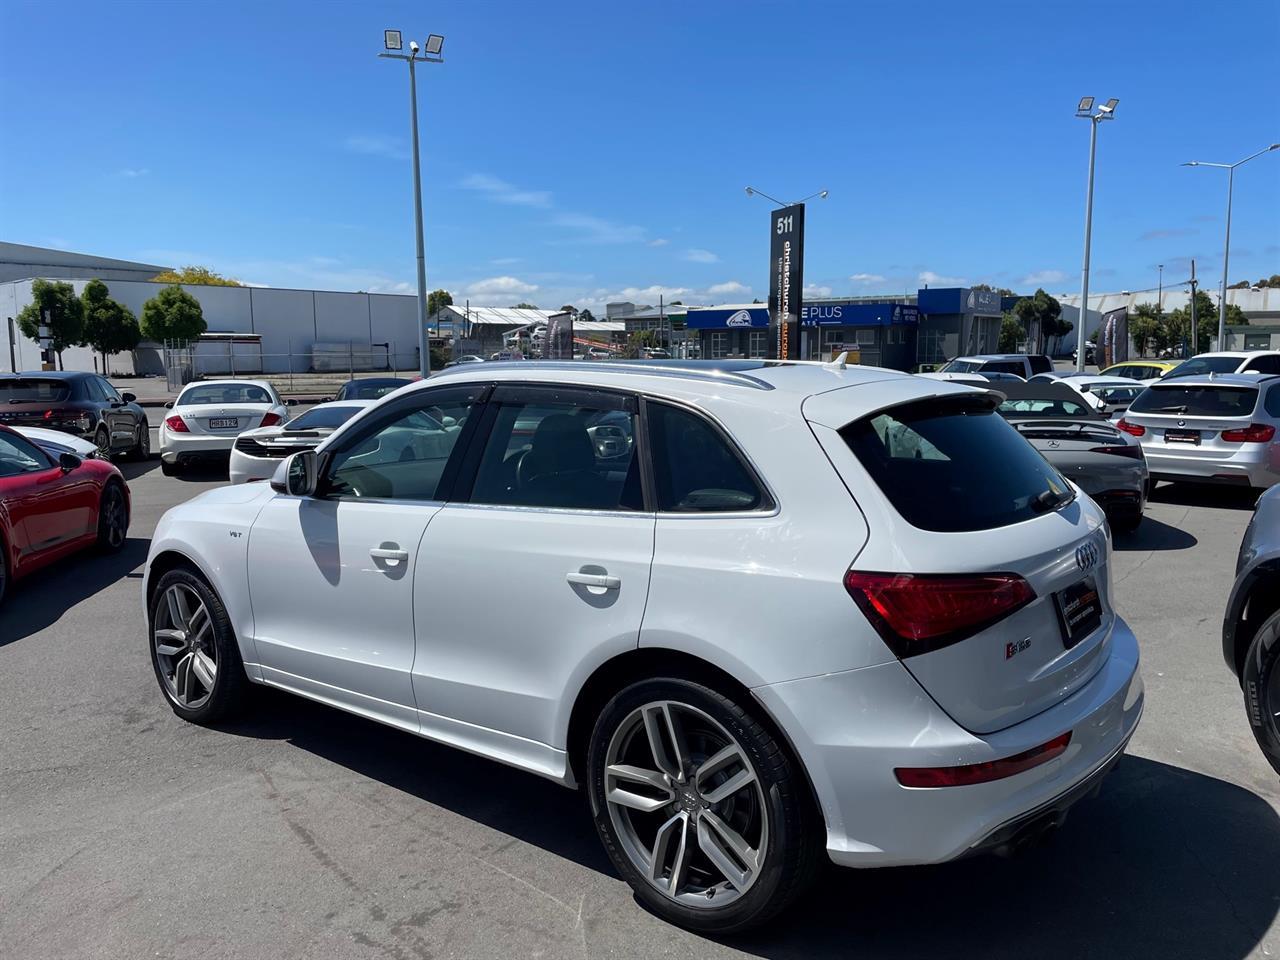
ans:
(917, 613)
(270, 420)
(1253, 433)
(983, 772)
(1133, 429)
(1123, 450)
(176, 424)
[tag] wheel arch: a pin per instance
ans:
(644, 663)
(1257, 599)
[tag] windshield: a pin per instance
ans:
(224, 393)
(324, 417)
(1202, 365)
(34, 390)
(1047, 408)
(1197, 401)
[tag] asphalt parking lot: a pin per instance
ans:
(305, 832)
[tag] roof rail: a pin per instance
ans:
(659, 368)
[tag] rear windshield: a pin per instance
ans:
(1112, 395)
(1197, 401)
(955, 465)
(1203, 365)
(370, 389)
(34, 390)
(1047, 407)
(322, 417)
(224, 393)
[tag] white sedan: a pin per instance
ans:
(258, 452)
(203, 423)
(56, 442)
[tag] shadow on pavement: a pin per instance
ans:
(1164, 863)
(1223, 496)
(133, 469)
(1153, 535)
(40, 600)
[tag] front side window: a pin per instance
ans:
(18, 456)
(109, 392)
(571, 449)
(955, 465)
(403, 456)
(695, 470)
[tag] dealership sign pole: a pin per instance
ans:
(786, 280)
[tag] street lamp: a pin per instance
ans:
(392, 41)
(821, 195)
(1086, 110)
(1226, 247)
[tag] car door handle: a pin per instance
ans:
(388, 553)
(601, 580)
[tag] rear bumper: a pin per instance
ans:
(853, 729)
(181, 448)
(1258, 467)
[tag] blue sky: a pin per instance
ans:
(583, 152)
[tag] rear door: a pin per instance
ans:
(951, 491)
(118, 417)
(537, 574)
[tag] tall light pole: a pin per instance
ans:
(1226, 246)
(1085, 110)
(435, 42)
(786, 276)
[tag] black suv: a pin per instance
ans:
(83, 404)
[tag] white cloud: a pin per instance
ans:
(505, 261)
(700, 256)
(376, 146)
(931, 279)
(867, 278)
(503, 192)
(132, 172)
(499, 290)
(815, 290)
(731, 286)
(1042, 277)
(598, 230)
(659, 242)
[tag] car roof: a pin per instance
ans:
(53, 374)
(236, 381)
(994, 356)
(1217, 380)
(353, 402)
(1235, 354)
(762, 384)
(377, 380)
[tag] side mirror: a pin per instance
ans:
(68, 462)
(129, 397)
(296, 476)
(169, 405)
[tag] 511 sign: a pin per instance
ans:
(786, 280)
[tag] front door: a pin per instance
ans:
(47, 508)
(331, 576)
(539, 577)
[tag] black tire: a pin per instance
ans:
(102, 440)
(1261, 682)
(794, 844)
(227, 699)
(142, 446)
(169, 469)
(4, 569)
(113, 517)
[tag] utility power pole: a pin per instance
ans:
(1195, 330)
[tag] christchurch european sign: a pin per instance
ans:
(786, 280)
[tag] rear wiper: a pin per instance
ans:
(1048, 500)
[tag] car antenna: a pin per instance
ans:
(839, 362)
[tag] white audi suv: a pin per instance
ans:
(760, 612)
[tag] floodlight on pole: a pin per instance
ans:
(1086, 111)
(753, 191)
(391, 37)
(1226, 246)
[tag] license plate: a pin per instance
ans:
(223, 423)
(1079, 611)
(1182, 436)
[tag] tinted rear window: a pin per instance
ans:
(953, 466)
(34, 390)
(1203, 365)
(224, 393)
(1197, 401)
(371, 389)
(1046, 407)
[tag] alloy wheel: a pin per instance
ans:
(103, 441)
(686, 804)
(144, 441)
(115, 519)
(184, 646)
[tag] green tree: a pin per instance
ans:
(569, 308)
(1145, 327)
(586, 315)
(1012, 332)
(437, 300)
(1240, 285)
(109, 327)
(1003, 291)
(1042, 310)
(526, 306)
(65, 314)
(638, 341)
(198, 275)
(173, 314)
(1179, 323)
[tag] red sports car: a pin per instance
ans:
(52, 507)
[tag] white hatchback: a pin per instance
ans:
(203, 423)
(761, 613)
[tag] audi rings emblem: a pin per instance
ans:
(1087, 555)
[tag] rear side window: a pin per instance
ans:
(1197, 401)
(1040, 363)
(1264, 365)
(954, 466)
(1273, 401)
(695, 469)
